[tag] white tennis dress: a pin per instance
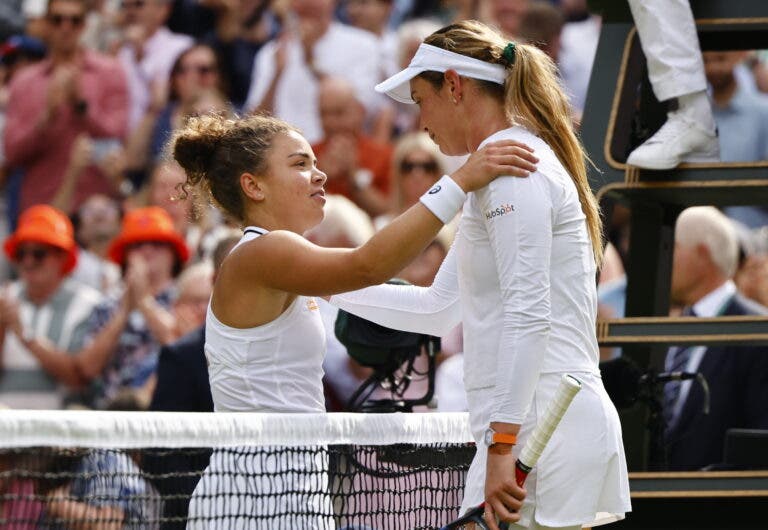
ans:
(276, 367)
(521, 278)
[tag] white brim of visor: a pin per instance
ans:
(430, 58)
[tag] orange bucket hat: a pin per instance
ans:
(47, 225)
(151, 223)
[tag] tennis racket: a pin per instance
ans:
(533, 448)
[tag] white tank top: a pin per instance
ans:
(275, 367)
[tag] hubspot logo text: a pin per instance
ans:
(499, 211)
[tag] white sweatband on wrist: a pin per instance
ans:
(444, 199)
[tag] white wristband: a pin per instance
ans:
(444, 199)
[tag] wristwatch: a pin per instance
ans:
(363, 178)
(492, 437)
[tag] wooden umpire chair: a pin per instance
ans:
(620, 112)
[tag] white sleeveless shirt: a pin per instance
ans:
(275, 367)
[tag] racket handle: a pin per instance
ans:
(521, 473)
(531, 452)
(475, 515)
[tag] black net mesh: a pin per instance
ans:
(342, 487)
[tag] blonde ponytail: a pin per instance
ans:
(532, 97)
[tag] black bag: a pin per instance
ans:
(376, 346)
(391, 354)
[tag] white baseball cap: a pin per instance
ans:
(430, 58)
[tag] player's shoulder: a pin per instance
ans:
(517, 133)
(267, 243)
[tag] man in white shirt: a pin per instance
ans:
(149, 50)
(374, 16)
(705, 259)
(578, 46)
(43, 315)
(286, 71)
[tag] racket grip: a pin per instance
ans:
(476, 514)
(521, 473)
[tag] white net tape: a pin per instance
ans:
(26, 428)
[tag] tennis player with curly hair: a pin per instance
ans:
(265, 339)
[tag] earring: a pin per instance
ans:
(455, 102)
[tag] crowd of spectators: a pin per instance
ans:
(90, 93)
(105, 268)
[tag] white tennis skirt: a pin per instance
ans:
(263, 489)
(581, 478)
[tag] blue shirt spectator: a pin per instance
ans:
(108, 479)
(741, 115)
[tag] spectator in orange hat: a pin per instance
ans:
(125, 334)
(43, 314)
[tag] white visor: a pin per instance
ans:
(430, 58)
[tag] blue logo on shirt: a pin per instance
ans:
(435, 190)
(499, 211)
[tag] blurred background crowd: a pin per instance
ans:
(104, 269)
(103, 266)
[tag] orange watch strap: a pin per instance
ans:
(504, 438)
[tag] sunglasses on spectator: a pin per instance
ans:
(38, 254)
(59, 20)
(407, 166)
(201, 69)
(135, 4)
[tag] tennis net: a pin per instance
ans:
(148, 470)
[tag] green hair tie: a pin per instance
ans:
(509, 53)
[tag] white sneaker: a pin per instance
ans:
(680, 139)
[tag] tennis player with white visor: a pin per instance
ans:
(520, 277)
(264, 338)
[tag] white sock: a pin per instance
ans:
(697, 107)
